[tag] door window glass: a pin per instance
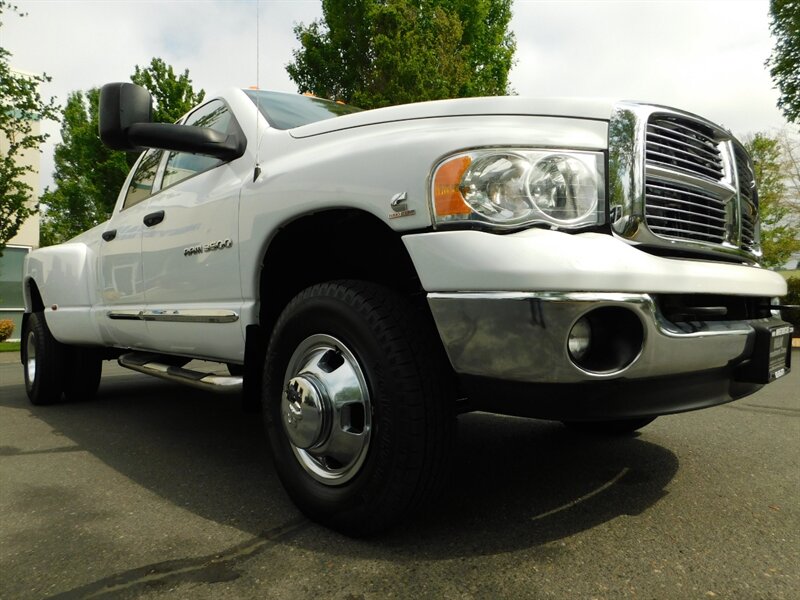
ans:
(141, 185)
(181, 165)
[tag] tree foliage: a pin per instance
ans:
(173, 96)
(784, 64)
(88, 175)
(20, 105)
(779, 202)
(374, 53)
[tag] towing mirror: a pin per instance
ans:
(121, 106)
(125, 124)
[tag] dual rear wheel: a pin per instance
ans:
(55, 372)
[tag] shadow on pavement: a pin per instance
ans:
(517, 483)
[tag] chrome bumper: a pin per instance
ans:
(520, 336)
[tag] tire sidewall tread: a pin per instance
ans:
(412, 426)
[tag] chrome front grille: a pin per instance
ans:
(683, 145)
(678, 183)
(698, 184)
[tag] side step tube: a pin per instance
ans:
(149, 365)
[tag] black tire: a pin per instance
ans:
(82, 378)
(235, 369)
(43, 362)
(610, 428)
(408, 391)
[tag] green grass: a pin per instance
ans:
(9, 346)
(792, 273)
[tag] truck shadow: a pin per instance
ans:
(516, 483)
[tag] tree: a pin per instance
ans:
(88, 175)
(20, 105)
(173, 96)
(778, 209)
(374, 53)
(784, 64)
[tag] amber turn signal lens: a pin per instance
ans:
(447, 197)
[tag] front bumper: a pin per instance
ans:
(511, 353)
(519, 336)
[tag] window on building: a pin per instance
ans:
(12, 302)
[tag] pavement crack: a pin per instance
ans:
(583, 498)
(14, 451)
(765, 410)
(211, 568)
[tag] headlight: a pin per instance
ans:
(509, 188)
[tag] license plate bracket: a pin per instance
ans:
(771, 357)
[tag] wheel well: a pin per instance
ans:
(336, 244)
(37, 304)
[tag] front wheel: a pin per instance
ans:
(358, 405)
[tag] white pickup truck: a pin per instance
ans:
(365, 276)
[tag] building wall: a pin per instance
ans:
(27, 239)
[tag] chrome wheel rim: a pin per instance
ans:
(30, 354)
(326, 410)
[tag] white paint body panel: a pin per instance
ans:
(543, 260)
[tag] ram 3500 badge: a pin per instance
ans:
(366, 275)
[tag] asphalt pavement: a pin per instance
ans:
(160, 491)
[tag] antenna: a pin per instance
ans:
(257, 169)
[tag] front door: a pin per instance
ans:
(190, 250)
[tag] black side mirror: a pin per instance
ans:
(123, 105)
(125, 124)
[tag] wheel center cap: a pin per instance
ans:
(303, 411)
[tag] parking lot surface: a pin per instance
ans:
(159, 491)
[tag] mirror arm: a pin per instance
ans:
(186, 138)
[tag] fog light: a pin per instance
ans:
(579, 339)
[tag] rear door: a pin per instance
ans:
(121, 277)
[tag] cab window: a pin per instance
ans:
(181, 165)
(141, 185)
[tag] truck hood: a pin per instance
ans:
(577, 108)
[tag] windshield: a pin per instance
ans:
(285, 111)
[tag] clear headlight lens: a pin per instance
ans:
(508, 188)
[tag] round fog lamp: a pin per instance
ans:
(580, 337)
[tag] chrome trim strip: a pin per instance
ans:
(522, 336)
(176, 316)
(124, 315)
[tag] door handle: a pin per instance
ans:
(109, 235)
(154, 218)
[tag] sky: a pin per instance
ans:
(703, 56)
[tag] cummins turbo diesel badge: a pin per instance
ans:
(209, 247)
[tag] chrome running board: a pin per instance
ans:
(149, 365)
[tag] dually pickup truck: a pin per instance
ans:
(362, 277)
